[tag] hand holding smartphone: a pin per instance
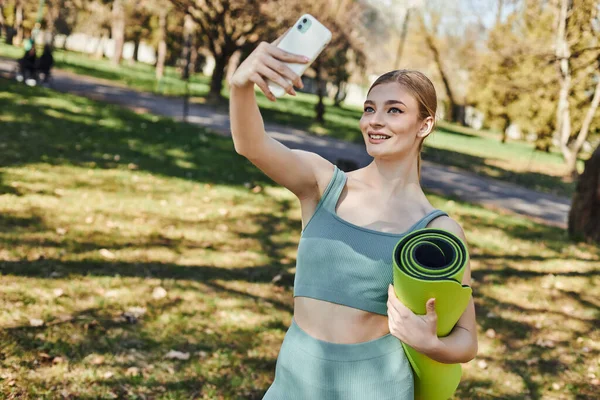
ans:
(277, 67)
(308, 37)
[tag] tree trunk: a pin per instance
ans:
(99, 52)
(2, 20)
(402, 39)
(456, 110)
(18, 26)
(136, 49)
(52, 15)
(320, 107)
(162, 44)
(118, 31)
(584, 131)
(216, 80)
(584, 217)
(340, 94)
(505, 125)
(563, 115)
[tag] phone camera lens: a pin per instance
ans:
(299, 26)
(305, 20)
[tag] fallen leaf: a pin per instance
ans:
(97, 360)
(58, 360)
(482, 364)
(257, 189)
(111, 293)
(223, 211)
(159, 293)
(490, 333)
(36, 322)
(174, 354)
(61, 231)
(545, 343)
(107, 254)
(108, 375)
(58, 292)
(276, 278)
(89, 220)
(132, 371)
(556, 386)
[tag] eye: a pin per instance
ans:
(368, 108)
(398, 111)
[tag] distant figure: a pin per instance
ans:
(27, 63)
(44, 63)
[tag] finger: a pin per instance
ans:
(398, 306)
(430, 307)
(262, 84)
(283, 70)
(284, 56)
(276, 78)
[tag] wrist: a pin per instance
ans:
(432, 347)
(237, 86)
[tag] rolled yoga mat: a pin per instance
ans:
(430, 263)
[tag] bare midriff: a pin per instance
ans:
(337, 323)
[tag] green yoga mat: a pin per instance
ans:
(430, 263)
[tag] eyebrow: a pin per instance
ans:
(388, 102)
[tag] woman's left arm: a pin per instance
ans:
(419, 331)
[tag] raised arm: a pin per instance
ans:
(296, 170)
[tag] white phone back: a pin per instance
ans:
(308, 44)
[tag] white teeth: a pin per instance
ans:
(379, 136)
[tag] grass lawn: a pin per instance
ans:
(476, 151)
(138, 258)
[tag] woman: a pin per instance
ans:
(345, 338)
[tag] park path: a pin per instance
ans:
(441, 179)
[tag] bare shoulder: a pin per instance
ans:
(321, 168)
(447, 223)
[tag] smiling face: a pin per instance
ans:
(391, 123)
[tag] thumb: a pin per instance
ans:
(430, 306)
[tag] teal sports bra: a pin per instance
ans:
(343, 263)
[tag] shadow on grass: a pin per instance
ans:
(76, 131)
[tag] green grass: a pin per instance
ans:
(465, 148)
(100, 207)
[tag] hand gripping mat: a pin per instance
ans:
(430, 263)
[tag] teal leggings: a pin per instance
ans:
(313, 369)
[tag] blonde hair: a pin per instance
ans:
(421, 89)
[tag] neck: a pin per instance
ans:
(392, 178)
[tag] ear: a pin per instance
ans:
(426, 127)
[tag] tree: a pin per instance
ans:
(510, 84)
(584, 216)
(227, 25)
(577, 47)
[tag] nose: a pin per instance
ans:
(376, 120)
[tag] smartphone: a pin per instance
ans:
(308, 37)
